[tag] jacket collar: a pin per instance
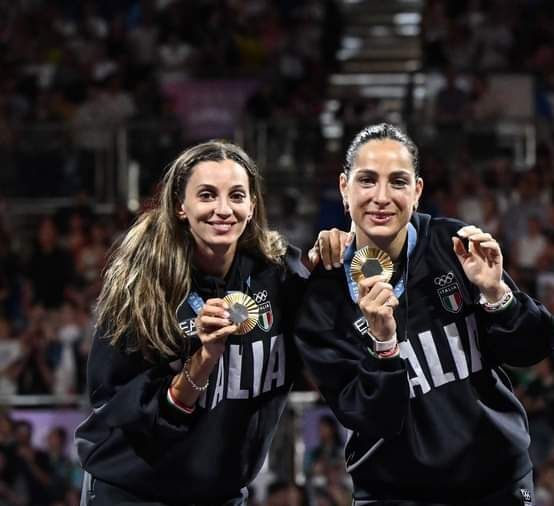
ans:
(213, 286)
(419, 267)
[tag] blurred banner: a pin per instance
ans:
(43, 420)
(209, 108)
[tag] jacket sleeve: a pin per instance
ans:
(294, 281)
(366, 394)
(522, 334)
(130, 393)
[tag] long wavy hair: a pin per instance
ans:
(149, 272)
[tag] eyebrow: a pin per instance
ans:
(398, 172)
(207, 186)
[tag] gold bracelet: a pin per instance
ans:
(188, 377)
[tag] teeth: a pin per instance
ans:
(221, 226)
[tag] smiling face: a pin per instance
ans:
(217, 205)
(381, 190)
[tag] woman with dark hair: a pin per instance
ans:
(407, 339)
(192, 359)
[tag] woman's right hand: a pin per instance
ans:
(214, 326)
(377, 302)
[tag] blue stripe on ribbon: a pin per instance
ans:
(197, 303)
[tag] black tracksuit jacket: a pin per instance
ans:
(440, 423)
(134, 440)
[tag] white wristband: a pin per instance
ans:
(380, 346)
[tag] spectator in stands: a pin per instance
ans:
(76, 235)
(450, 114)
(10, 278)
(291, 222)
(470, 201)
(529, 247)
(484, 103)
(491, 213)
(494, 41)
(330, 447)
(34, 370)
(62, 470)
(527, 201)
(10, 350)
(435, 33)
(92, 257)
(322, 497)
(460, 47)
(281, 493)
(33, 465)
(8, 446)
(51, 268)
(545, 483)
(69, 335)
(278, 494)
(176, 57)
(8, 493)
(538, 398)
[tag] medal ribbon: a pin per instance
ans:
(197, 303)
(399, 288)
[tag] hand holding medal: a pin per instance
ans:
(236, 313)
(369, 262)
(372, 269)
(243, 311)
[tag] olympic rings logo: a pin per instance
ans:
(260, 296)
(445, 279)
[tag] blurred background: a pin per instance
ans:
(97, 97)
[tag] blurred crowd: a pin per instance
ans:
(489, 35)
(73, 72)
(30, 476)
(482, 37)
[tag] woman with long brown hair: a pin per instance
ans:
(193, 359)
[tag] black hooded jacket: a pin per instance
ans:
(440, 423)
(135, 440)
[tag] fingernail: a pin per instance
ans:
(327, 267)
(226, 314)
(336, 264)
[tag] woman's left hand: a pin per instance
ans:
(482, 261)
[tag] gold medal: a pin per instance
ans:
(243, 311)
(369, 262)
